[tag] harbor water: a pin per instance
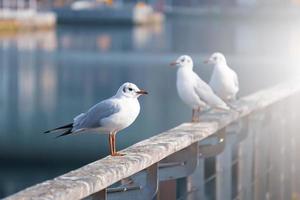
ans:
(48, 77)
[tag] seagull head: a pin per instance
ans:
(216, 58)
(130, 90)
(183, 61)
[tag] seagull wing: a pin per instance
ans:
(236, 80)
(92, 118)
(205, 93)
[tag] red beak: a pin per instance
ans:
(173, 63)
(142, 92)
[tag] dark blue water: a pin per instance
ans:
(48, 77)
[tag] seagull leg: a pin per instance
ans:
(193, 115)
(198, 114)
(114, 145)
(111, 148)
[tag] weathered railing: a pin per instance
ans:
(225, 156)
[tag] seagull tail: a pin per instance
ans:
(67, 129)
(223, 107)
(66, 132)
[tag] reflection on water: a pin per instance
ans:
(46, 78)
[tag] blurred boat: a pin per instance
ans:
(14, 20)
(23, 14)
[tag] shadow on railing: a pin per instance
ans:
(251, 154)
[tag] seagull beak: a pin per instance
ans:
(142, 92)
(206, 61)
(173, 63)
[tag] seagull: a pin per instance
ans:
(108, 116)
(193, 90)
(224, 81)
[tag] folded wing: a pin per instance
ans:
(92, 118)
(236, 81)
(205, 92)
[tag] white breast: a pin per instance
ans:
(185, 88)
(129, 110)
(223, 82)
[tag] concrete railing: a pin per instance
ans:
(171, 155)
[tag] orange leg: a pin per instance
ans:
(193, 116)
(198, 114)
(111, 148)
(115, 153)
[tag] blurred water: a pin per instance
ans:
(48, 77)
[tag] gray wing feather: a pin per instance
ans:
(205, 93)
(91, 119)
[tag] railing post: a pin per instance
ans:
(223, 171)
(210, 147)
(196, 182)
(141, 186)
(245, 154)
(280, 181)
(264, 138)
(294, 148)
(287, 160)
(179, 166)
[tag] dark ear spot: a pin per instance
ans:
(124, 89)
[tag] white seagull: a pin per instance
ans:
(109, 116)
(193, 90)
(224, 81)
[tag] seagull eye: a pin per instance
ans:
(130, 89)
(182, 60)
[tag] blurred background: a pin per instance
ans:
(56, 63)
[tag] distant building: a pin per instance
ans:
(186, 3)
(230, 2)
(18, 4)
